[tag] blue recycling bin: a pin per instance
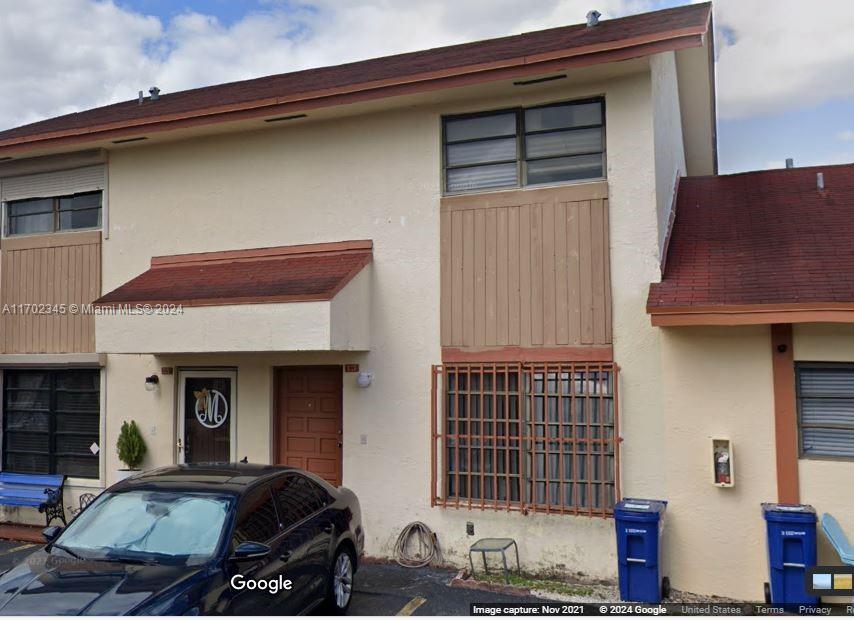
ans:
(639, 525)
(791, 551)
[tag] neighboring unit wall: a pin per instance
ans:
(696, 82)
(526, 268)
(669, 147)
(717, 382)
(824, 482)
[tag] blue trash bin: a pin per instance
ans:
(791, 551)
(639, 525)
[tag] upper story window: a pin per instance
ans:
(48, 215)
(547, 144)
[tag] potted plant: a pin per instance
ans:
(131, 449)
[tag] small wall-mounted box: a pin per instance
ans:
(723, 463)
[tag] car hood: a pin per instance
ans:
(56, 584)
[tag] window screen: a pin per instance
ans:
(51, 419)
(534, 146)
(826, 409)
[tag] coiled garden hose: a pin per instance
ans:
(420, 552)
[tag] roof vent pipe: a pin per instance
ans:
(819, 180)
(141, 98)
(790, 163)
(155, 93)
(593, 18)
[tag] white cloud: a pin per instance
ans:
(57, 57)
(109, 53)
(774, 57)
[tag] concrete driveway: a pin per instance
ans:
(390, 590)
(380, 589)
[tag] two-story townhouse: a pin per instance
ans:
(424, 276)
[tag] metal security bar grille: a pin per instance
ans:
(529, 437)
(826, 410)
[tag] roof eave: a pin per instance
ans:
(752, 314)
(417, 83)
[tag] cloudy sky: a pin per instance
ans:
(785, 67)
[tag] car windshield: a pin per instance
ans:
(148, 526)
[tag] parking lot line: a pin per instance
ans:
(411, 606)
(14, 549)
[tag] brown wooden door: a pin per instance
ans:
(308, 413)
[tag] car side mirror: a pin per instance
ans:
(249, 550)
(51, 533)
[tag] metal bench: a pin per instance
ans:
(42, 491)
(837, 538)
(494, 545)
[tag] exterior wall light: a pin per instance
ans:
(151, 382)
(364, 379)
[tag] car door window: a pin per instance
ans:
(257, 519)
(297, 498)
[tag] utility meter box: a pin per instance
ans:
(723, 462)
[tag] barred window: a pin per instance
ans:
(51, 420)
(539, 437)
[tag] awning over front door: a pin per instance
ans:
(292, 298)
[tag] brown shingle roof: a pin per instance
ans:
(269, 275)
(766, 239)
(669, 25)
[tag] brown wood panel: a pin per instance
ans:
(526, 269)
(309, 420)
(49, 271)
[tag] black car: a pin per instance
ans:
(198, 539)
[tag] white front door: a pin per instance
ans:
(207, 428)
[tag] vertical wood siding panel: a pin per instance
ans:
(548, 275)
(479, 277)
(606, 243)
(457, 277)
(502, 276)
(525, 274)
(573, 272)
(561, 276)
(491, 327)
(514, 287)
(597, 238)
(468, 278)
(525, 292)
(46, 276)
(445, 304)
(585, 264)
(27, 295)
(536, 274)
(65, 320)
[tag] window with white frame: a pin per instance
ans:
(556, 143)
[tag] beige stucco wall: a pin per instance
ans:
(667, 132)
(717, 382)
(698, 108)
(378, 177)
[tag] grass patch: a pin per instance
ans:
(534, 583)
